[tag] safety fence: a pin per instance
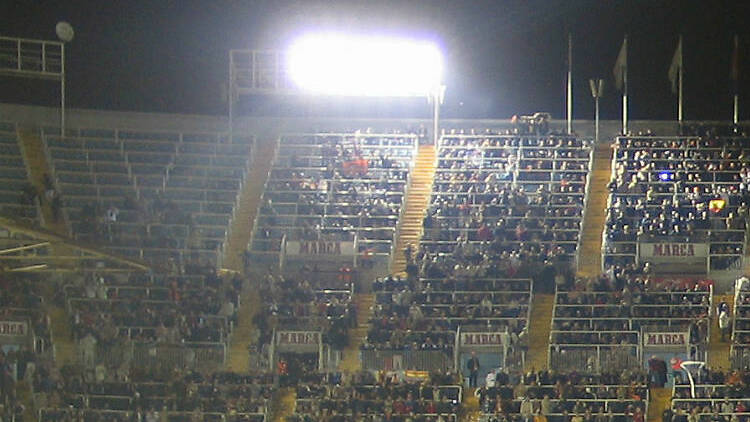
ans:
(419, 360)
(207, 356)
(593, 358)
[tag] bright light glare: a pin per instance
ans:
(340, 64)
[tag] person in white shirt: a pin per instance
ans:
(724, 324)
(490, 379)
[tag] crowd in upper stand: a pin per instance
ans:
(508, 194)
(692, 187)
(335, 187)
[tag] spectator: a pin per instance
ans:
(473, 366)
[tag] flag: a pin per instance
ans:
(621, 65)
(716, 205)
(675, 67)
(735, 71)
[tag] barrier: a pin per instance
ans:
(49, 414)
(203, 356)
(593, 359)
(418, 360)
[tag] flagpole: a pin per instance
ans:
(570, 83)
(625, 91)
(736, 114)
(679, 94)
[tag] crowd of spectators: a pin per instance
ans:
(692, 188)
(165, 309)
(68, 395)
(418, 313)
(378, 397)
(307, 301)
(720, 396)
(740, 336)
(610, 310)
(512, 202)
(335, 186)
(564, 396)
(21, 352)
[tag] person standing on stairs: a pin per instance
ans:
(473, 367)
(724, 324)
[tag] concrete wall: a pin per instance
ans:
(271, 127)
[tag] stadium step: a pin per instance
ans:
(242, 225)
(283, 404)
(719, 351)
(417, 200)
(539, 330)
(590, 255)
(26, 397)
(62, 336)
(239, 237)
(32, 147)
(470, 411)
(238, 359)
(660, 399)
(350, 361)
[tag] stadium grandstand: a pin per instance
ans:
(173, 267)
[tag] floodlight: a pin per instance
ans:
(342, 64)
(64, 31)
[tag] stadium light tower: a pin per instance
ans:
(366, 66)
(339, 64)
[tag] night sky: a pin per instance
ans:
(502, 57)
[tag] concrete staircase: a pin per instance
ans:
(239, 237)
(470, 411)
(660, 399)
(539, 330)
(590, 255)
(350, 360)
(252, 191)
(417, 200)
(283, 404)
(32, 148)
(718, 351)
